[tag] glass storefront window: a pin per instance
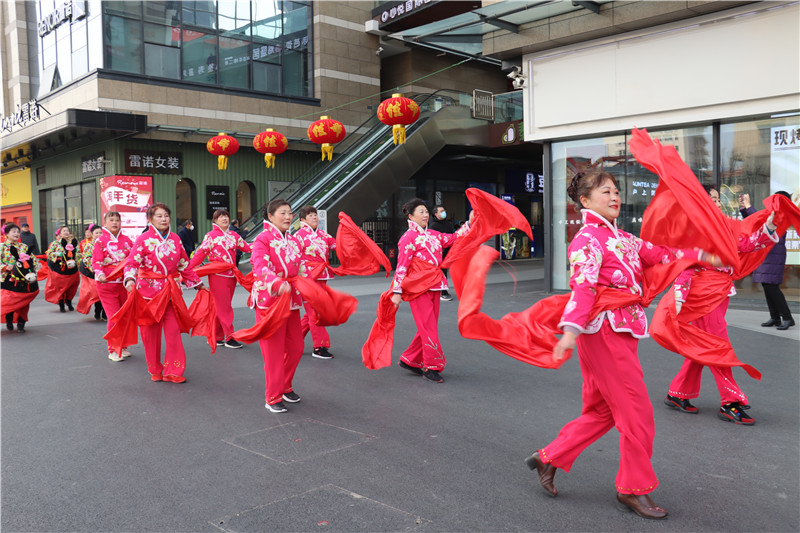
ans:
(162, 12)
(267, 21)
(124, 50)
(201, 14)
(199, 57)
(162, 61)
(128, 8)
(759, 158)
(233, 62)
(267, 77)
(234, 17)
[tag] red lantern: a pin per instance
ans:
(398, 112)
(222, 146)
(326, 132)
(270, 143)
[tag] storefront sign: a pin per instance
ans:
(482, 105)
(521, 182)
(69, 11)
(94, 165)
(393, 10)
(506, 133)
(15, 187)
(130, 196)
(217, 197)
(785, 138)
(27, 112)
(141, 161)
(783, 164)
(641, 191)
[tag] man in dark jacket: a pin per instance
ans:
(187, 237)
(29, 239)
(770, 274)
(440, 223)
(235, 227)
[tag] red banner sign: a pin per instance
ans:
(130, 196)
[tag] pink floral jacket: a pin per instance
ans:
(219, 245)
(423, 244)
(747, 244)
(162, 255)
(315, 245)
(109, 251)
(602, 255)
(275, 257)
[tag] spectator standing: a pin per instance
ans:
(29, 239)
(442, 225)
(187, 237)
(235, 227)
(770, 274)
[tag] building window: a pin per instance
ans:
(124, 49)
(760, 158)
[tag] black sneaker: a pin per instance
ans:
(220, 343)
(69, 305)
(415, 370)
(276, 407)
(322, 353)
(681, 404)
(432, 375)
(61, 307)
(733, 412)
(445, 296)
(21, 326)
(233, 343)
(10, 321)
(291, 397)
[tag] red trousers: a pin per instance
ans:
(112, 296)
(174, 356)
(281, 353)
(319, 335)
(687, 383)
(425, 351)
(614, 394)
(222, 290)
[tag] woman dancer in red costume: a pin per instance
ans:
(424, 356)
(686, 384)
(276, 260)
(156, 257)
(316, 244)
(220, 245)
(614, 393)
(111, 249)
(63, 280)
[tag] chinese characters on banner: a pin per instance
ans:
(94, 165)
(143, 161)
(130, 196)
(785, 176)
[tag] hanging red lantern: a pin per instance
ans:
(326, 132)
(270, 143)
(222, 146)
(398, 112)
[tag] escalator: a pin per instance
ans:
(370, 168)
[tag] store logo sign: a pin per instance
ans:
(68, 11)
(27, 112)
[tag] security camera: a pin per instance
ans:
(379, 50)
(514, 74)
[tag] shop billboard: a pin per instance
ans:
(131, 196)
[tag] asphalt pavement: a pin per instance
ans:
(93, 445)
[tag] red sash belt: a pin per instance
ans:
(215, 267)
(198, 319)
(332, 308)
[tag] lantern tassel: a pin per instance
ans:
(327, 148)
(399, 134)
(269, 159)
(222, 162)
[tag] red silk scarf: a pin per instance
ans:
(332, 308)
(198, 319)
(215, 267)
(357, 253)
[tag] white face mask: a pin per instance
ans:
(191, 228)
(442, 214)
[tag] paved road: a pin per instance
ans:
(92, 445)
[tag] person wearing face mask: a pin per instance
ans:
(440, 223)
(110, 251)
(424, 356)
(187, 237)
(705, 283)
(63, 280)
(221, 245)
(276, 260)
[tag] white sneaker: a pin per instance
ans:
(125, 353)
(114, 357)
